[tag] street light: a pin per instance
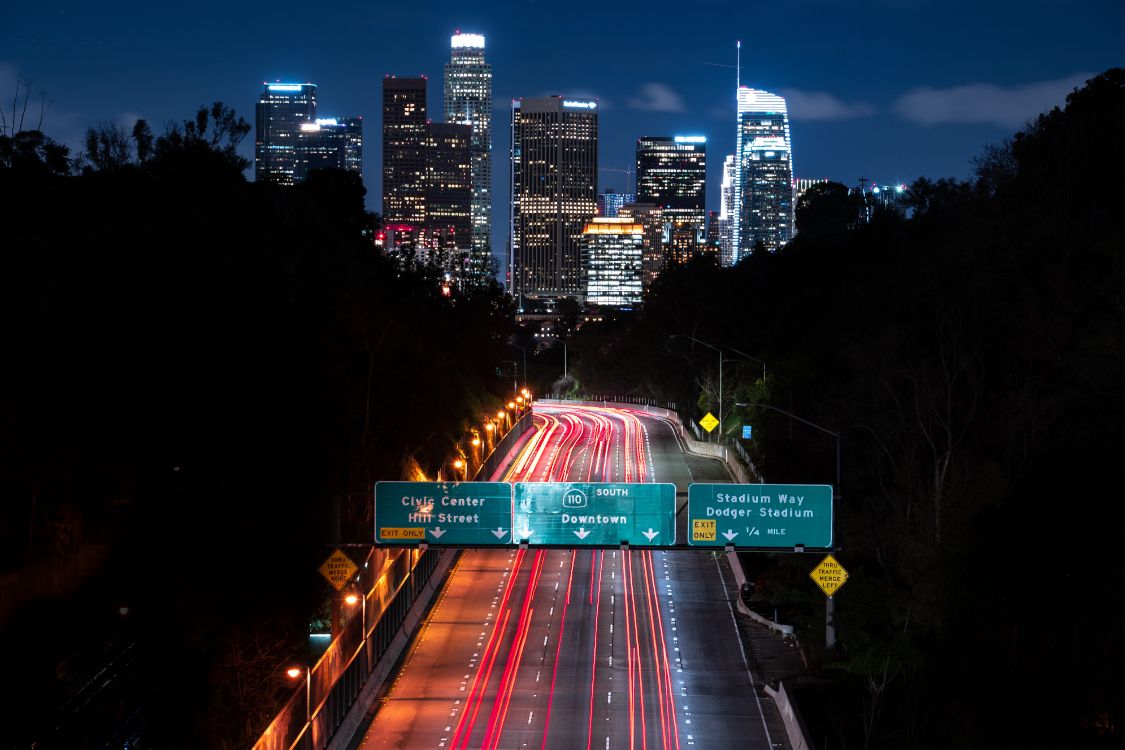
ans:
(351, 600)
(517, 346)
(829, 605)
(294, 673)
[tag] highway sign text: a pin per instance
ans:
(454, 513)
(774, 516)
(595, 514)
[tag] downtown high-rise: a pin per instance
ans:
(404, 150)
(281, 111)
(672, 174)
(468, 101)
(763, 176)
(554, 179)
(330, 143)
(612, 260)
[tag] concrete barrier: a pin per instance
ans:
(740, 579)
(794, 727)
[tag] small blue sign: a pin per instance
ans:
(746, 429)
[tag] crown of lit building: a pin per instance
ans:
(466, 41)
(756, 100)
(613, 225)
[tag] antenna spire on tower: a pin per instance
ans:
(738, 64)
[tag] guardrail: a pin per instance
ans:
(615, 398)
(394, 579)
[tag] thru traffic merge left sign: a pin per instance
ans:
(829, 575)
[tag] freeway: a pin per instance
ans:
(583, 648)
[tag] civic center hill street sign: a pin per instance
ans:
(595, 514)
(772, 516)
(453, 513)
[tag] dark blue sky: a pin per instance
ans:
(887, 89)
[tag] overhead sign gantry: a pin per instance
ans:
(609, 514)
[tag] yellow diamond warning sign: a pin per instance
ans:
(708, 422)
(338, 568)
(702, 530)
(829, 575)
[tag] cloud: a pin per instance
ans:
(985, 102)
(658, 97)
(603, 104)
(820, 105)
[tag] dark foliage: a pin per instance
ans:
(198, 375)
(971, 357)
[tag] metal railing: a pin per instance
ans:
(614, 398)
(392, 579)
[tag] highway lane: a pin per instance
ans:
(583, 648)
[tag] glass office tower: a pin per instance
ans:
(763, 174)
(672, 173)
(554, 191)
(612, 260)
(468, 101)
(281, 110)
(404, 150)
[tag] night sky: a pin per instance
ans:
(886, 89)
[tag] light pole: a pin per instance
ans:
(837, 495)
(517, 346)
(295, 672)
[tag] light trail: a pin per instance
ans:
(588, 444)
(558, 651)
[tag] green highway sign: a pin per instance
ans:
(777, 516)
(576, 514)
(453, 513)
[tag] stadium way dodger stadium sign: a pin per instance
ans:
(769, 516)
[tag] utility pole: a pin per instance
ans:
(837, 495)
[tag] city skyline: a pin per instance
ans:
(852, 113)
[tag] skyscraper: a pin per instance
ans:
(727, 255)
(672, 173)
(468, 101)
(404, 150)
(330, 143)
(554, 190)
(611, 260)
(763, 173)
(281, 110)
(449, 182)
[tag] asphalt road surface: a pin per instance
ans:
(583, 648)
